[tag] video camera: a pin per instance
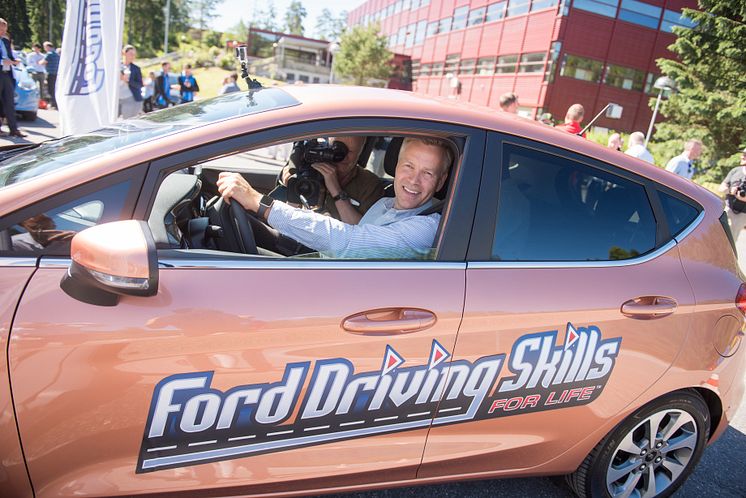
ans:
(306, 185)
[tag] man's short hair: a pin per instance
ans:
(3, 21)
(163, 64)
(689, 145)
(636, 138)
(187, 66)
(127, 48)
(48, 44)
(575, 112)
(36, 45)
(433, 142)
(508, 99)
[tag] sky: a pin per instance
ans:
(231, 11)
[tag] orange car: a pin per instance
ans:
(578, 312)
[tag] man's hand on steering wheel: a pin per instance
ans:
(234, 186)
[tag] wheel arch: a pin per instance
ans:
(714, 405)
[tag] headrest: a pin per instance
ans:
(392, 155)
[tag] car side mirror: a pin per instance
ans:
(111, 260)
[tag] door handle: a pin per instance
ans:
(649, 307)
(389, 321)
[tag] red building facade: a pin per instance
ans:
(551, 53)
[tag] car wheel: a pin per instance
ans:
(650, 454)
(29, 115)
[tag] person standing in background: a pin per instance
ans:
(509, 102)
(734, 188)
(52, 63)
(38, 72)
(7, 81)
(573, 118)
(130, 101)
(615, 142)
(682, 164)
(187, 85)
(637, 147)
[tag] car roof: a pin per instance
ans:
(333, 101)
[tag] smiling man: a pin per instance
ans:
(390, 228)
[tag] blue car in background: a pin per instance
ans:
(27, 93)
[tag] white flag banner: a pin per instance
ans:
(88, 79)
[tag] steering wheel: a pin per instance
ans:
(238, 235)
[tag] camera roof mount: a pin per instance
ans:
(242, 56)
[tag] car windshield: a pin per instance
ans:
(56, 154)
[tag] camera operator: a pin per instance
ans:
(734, 187)
(350, 189)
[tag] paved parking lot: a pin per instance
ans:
(720, 473)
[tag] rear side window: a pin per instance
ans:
(555, 209)
(679, 214)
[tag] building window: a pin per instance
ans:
(467, 66)
(640, 13)
(476, 16)
(518, 7)
(624, 77)
(452, 63)
(486, 66)
(409, 40)
(581, 68)
(415, 69)
(506, 64)
(532, 63)
(401, 35)
(303, 78)
(437, 69)
(316, 79)
(419, 36)
(290, 76)
(459, 18)
(554, 52)
(673, 19)
(604, 7)
(495, 11)
(445, 25)
(398, 6)
(543, 4)
(425, 70)
(407, 5)
(432, 29)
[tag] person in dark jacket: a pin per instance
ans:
(7, 81)
(162, 95)
(130, 101)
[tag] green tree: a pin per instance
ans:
(363, 55)
(203, 11)
(144, 24)
(329, 27)
(267, 19)
(712, 88)
(294, 17)
(43, 14)
(16, 13)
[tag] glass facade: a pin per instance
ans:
(486, 66)
(506, 64)
(640, 13)
(532, 63)
(518, 7)
(495, 11)
(603, 7)
(624, 77)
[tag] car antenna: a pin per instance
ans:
(241, 55)
(582, 132)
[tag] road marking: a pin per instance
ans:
(385, 418)
(200, 443)
(162, 448)
(357, 422)
(279, 433)
(450, 410)
(318, 428)
(418, 414)
(240, 438)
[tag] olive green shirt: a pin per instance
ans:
(364, 186)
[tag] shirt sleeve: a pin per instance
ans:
(408, 238)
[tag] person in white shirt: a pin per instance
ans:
(37, 70)
(637, 147)
(682, 164)
(390, 228)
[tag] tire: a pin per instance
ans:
(627, 458)
(29, 115)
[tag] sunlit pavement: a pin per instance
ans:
(720, 472)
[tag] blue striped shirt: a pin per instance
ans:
(53, 62)
(383, 232)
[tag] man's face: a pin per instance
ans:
(615, 142)
(512, 108)
(419, 174)
(354, 147)
(130, 55)
(3, 29)
(166, 68)
(695, 151)
(188, 71)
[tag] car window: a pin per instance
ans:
(554, 209)
(679, 214)
(51, 231)
(191, 218)
(56, 154)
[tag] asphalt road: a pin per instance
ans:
(720, 473)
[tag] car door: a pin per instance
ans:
(574, 280)
(246, 374)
